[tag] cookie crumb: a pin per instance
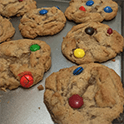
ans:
(8, 102)
(113, 60)
(40, 87)
(3, 89)
(38, 107)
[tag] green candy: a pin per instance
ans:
(34, 47)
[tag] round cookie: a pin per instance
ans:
(10, 8)
(42, 22)
(6, 29)
(98, 41)
(81, 11)
(99, 87)
(23, 63)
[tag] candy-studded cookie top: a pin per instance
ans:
(98, 41)
(81, 11)
(42, 22)
(17, 60)
(95, 96)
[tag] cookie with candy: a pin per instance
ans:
(86, 94)
(23, 63)
(91, 42)
(42, 22)
(81, 11)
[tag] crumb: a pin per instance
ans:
(40, 87)
(8, 102)
(3, 89)
(38, 107)
(113, 60)
(0, 100)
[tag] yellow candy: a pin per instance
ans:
(79, 53)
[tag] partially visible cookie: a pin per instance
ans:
(91, 42)
(10, 8)
(6, 29)
(23, 63)
(82, 11)
(42, 22)
(85, 94)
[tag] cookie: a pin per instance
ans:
(93, 96)
(23, 63)
(42, 22)
(81, 11)
(6, 29)
(91, 42)
(9, 8)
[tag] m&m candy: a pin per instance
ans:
(109, 31)
(79, 53)
(82, 8)
(43, 12)
(34, 47)
(90, 30)
(108, 9)
(57, 7)
(89, 3)
(75, 101)
(77, 71)
(26, 80)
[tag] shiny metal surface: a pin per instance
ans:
(25, 106)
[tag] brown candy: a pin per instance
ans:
(89, 30)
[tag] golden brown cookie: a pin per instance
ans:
(10, 8)
(93, 95)
(23, 62)
(91, 10)
(42, 22)
(6, 29)
(91, 42)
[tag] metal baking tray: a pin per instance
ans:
(25, 106)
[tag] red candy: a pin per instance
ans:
(76, 101)
(20, 0)
(26, 80)
(109, 31)
(82, 8)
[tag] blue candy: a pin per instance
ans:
(57, 7)
(43, 11)
(108, 9)
(89, 3)
(77, 71)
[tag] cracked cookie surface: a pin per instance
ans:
(98, 47)
(33, 24)
(6, 29)
(16, 58)
(92, 13)
(9, 8)
(99, 86)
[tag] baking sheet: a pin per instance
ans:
(25, 106)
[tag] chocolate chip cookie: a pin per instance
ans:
(10, 8)
(42, 22)
(82, 11)
(6, 29)
(86, 94)
(23, 63)
(91, 42)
